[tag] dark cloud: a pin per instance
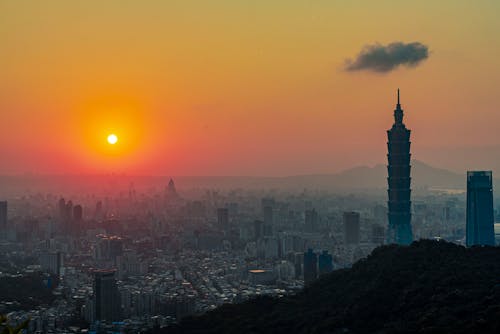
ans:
(385, 58)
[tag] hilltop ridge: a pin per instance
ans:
(428, 287)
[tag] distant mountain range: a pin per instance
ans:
(423, 176)
(354, 179)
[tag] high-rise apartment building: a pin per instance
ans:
(310, 266)
(223, 218)
(106, 296)
(351, 227)
(325, 263)
(480, 218)
(3, 215)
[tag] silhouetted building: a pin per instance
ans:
(69, 210)
(351, 228)
(298, 261)
(78, 213)
(267, 202)
(223, 218)
(106, 296)
(399, 230)
(132, 194)
(311, 222)
(268, 220)
(62, 209)
(258, 229)
(77, 224)
(310, 266)
(3, 215)
(51, 262)
(325, 263)
(98, 215)
(170, 191)
(480, 219)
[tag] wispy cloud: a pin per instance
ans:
(385, 58)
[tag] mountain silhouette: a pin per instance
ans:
(363, 177)
(360, 178)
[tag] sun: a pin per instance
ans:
(112, 139)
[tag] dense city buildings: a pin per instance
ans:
(171, 257)
(480, 216)
(399, 229)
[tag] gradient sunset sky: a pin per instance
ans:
(242, 87)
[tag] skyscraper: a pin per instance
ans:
(3, 219)
(311, 220)
(77, 213)
(351, 227)
(98, 214)
(77, 224)
(399, 230)
(223, 218)
(258, 229)
(171, 191)
(69, 210)
(325, 263)
(3, 215)
(310, 266)
(268, 220)
(106, 296)
(480, 219)
(62, 209)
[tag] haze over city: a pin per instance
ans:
(243, 87)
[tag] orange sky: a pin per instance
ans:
(241, 87)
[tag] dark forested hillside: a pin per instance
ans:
(428, 287)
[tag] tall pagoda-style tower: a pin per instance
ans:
(399, 192)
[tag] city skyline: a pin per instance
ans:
(234, 89)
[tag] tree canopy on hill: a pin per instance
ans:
(428, 287)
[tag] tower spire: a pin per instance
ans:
(398, 112)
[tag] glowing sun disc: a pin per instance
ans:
(112, 139)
